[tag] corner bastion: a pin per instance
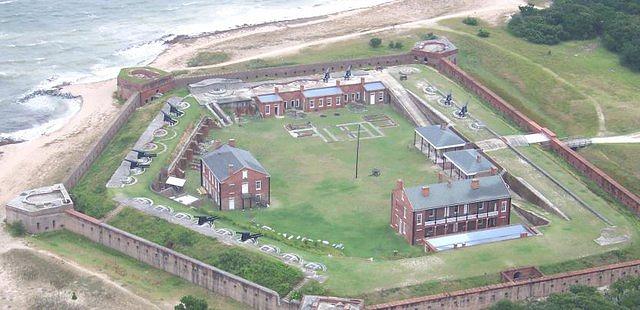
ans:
(41, 209)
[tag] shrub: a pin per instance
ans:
(16, 229)
(398, 45)
(189, 302)
(483, 33)
(471, 21)
(429, 36)
(375, 42)
(391, 45)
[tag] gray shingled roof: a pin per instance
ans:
(440, 138)
(467, 161)
(218, 161)
(460, 192)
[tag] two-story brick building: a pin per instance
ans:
(422, 212)
(321, 98)
(234, 179)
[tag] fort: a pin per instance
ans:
(51, 208)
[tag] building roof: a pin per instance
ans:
(220, 159)
(322, 92)
(373, 86)
(460, 192)
(268, 98)
(468, 161)
(439, 137)
(48, 197)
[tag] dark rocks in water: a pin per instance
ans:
(7, 141)
(48, 92)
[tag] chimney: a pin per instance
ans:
(232, 142)
(337, 82)
(301, 87)
(276, 90)
(475, 183)
(399, 184)
(425, 191)
(230, 169)
(478, 158)
(494, 170)
(362, 80)
(440, 177)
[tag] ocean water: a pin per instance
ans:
(46, 43)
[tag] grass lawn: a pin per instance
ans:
(207, 58)
(157, 286)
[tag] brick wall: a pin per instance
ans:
(187, 268)
(485, 296)
(127, 109)
(604, 181)
(301, 70)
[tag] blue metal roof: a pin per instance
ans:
(267, 98)
(373, 86)
(322, 92)
(476, 237)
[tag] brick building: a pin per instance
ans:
(467, 164)
(149, 82)
(435, 140)
(422, 212)
(234, 179)
(322, 98)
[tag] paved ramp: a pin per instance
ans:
(400, 93)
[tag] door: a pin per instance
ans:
(232, 204)
(277, 109)
(372, 98)
(245, 188)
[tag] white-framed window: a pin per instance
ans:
(297, 103)
(419, 218)
(258, 197)
(293, 103)
(346, 97)
(404, 212)
(353, 96)
(357, 96)
(320, 103)
(466, 209)
(232, 203)
(311, 104)
(504, 206)
(481, 206)
(446, 212)
(338, 100)
(431, 213)
(329, 102)
(380, 96)
(245, 174)
(267, 109)
(258, 185)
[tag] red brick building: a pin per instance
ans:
(320, 99)
(422, 212)
(149, 82)
(234, 179)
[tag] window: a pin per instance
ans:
(259, 197)
(481, 206)
(311, 104)
(504, 206)
(380, 96)
(245, 174)
(293, 103)
(338, 100)
(419, 218)
(346, 97)
(431, 213)
(297, 103)
(404, 212)
(320, 103)
(258, 185)
(446, 212)
(357, 96)
(329, 102)
(267, 109)
(428, 232)
(466, 209)
(353, 96)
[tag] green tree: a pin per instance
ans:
(398, 45)
(375, 42)
(16, 229)
(391, 45)
(189, 302)
(483, 33)
(470, 21)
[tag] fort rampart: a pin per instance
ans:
(185, 267)
(592, 172)
(483, 297)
